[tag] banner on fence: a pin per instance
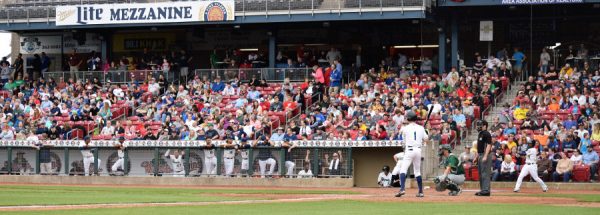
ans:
(146, 13)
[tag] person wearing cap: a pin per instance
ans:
(229, 155)
(44, 153)
(454, 173)
(245, 156)
(415, 137)
(484, 158)
(176, 160)
(120, 163)
(211, 133)
(210, 159)
(278, 136)
(87, 148)
(384, 179)
(265, 157)
(467, 156)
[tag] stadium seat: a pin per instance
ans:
(581, 173)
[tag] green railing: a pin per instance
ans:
(147, 158)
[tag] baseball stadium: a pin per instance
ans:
(299, 106)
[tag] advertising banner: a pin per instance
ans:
(54, 44)
(514, 2)
(167, 12)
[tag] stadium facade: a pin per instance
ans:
(373, 28)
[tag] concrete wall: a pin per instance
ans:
(187, 181)
(368, 163)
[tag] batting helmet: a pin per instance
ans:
(385, 168)
(411, 116)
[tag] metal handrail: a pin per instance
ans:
(315, 5)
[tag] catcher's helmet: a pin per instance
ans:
(411, 116)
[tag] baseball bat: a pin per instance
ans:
(428, 116)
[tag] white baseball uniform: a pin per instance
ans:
(88, 157)
(399, 158)
(245, 160)
(210, 162)
(176, 164)
(384, 180)
(228, 160)
(413, 136)
(530, 168)
(289, 163)
(121, 159)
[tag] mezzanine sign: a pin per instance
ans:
(168, 12)
(514, 2)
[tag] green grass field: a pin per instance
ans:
(345, 207)
(13, 195)
(73, 195)
(578, 197)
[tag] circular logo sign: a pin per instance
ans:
(215, 12)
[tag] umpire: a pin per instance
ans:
(484, 159)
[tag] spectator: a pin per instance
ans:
(544, 165)
(544, 61)
(229, 90)
(519, 58)
(507, 171)
(218, 85)
(336, 79)
(590, 158)
(18, 66)
(467, 156)
(7, 133)
(577, 158)
(569, 144)
(564, 168)
(279, 136)
(335, 164)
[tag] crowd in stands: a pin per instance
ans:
(320, 108)
(556, 109)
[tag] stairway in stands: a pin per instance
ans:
(472, 136)
(495, 111)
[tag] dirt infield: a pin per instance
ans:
(501, 196)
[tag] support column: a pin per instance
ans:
(104, 47)
(454, 41)
(441, 51)
(272, 49)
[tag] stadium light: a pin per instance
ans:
(428, 46)
(555, 46)
(405, 47)
(249, 50)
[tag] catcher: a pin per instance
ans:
(454, 174)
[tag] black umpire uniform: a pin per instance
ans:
(484, 140)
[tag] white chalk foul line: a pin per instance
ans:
(127, 205)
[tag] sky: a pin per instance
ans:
(5, 47)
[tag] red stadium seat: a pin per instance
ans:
(581, 173)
